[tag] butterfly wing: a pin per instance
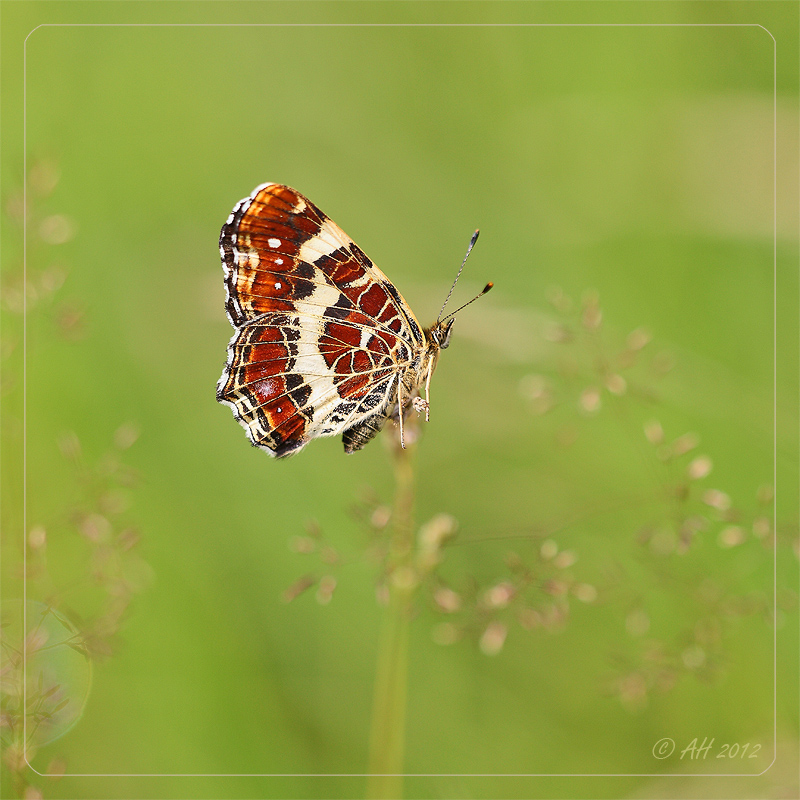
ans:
(322, 336)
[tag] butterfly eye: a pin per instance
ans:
(445, 334)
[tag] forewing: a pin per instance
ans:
(279, 250)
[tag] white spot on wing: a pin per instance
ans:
(267, 389)
(274, 243)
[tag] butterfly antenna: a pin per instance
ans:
(480, 294)
(469, 250)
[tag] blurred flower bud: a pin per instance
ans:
(37, 537)
(761, 527)
(585, 592)
(493, 638)
(616, 384)
(499, 596)
(565, 559)
(693, 657)
(560, 301)
(302, 544)
(436, 531)
(765, 494)
(325, 589)
(298, 587)
(638, 338)
(548, 549)
(380, 517)
(717, 499)
(731, 536)
(57, 229)
(590, 400)
(95, 527)
(447, 600)
(126, 435)
(683, 444)
(699, 468)
(654, 432)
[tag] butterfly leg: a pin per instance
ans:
(420, 404)
(428, 394)
(400, 411)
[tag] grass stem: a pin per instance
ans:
(387, 735)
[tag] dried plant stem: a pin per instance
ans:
(387, 735)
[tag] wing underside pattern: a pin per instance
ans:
(322, 337)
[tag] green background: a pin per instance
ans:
(634, 161)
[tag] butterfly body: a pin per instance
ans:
(324, 343)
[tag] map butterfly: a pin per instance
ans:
(324, 342)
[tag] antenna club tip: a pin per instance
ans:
(475, 236)
(487, 287)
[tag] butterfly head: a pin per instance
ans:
(439, 334)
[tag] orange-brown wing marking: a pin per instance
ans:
(260, 244)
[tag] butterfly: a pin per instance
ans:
(324, 343)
